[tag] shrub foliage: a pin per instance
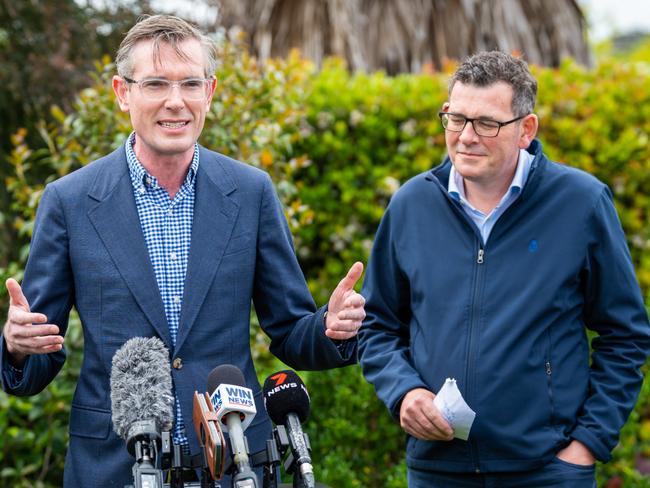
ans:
(337, 146)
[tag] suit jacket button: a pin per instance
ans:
(177, 363)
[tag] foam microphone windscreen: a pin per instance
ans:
(227, 374)
(141, 385)
(285, 393)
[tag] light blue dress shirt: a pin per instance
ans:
(485, 222)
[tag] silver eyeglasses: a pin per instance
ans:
(483, 127)
(156, 89)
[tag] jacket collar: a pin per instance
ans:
(215, 214)
(443, 170)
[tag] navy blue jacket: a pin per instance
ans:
(88, 251)
(507, 318)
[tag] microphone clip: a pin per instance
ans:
(271, 457)
(161, 464)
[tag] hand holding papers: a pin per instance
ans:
(453, 408)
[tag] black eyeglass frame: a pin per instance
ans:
(442, 114)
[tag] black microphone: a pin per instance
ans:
(287, 403)
(234, 406)
(142, 403)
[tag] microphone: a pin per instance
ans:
(208, 431)
(142, 403)
(287, 403)
(234, 406)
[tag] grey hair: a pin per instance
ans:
(163, 29)
(489, 67)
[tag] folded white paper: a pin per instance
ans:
(453, 408)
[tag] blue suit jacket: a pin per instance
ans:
(88, 251)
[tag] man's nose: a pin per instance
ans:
(174, 97)
(468, 134)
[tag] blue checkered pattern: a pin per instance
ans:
(167, 228)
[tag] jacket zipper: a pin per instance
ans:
(472, 342)
(480, 259)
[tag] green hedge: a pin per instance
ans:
(337, 147)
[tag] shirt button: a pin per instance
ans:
(173, 256)
(148, 180)
(177, 363)
(177, 299)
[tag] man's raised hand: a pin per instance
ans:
(26, 332)
(345, 311)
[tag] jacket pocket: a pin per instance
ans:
(574, 466)
(238, 244)
(549, 388)
(548, 369)
(89, 422)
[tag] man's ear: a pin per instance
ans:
(445, 106)
(213, 87)
(120, 89)
(529, 126)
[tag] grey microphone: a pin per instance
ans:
(142, 403)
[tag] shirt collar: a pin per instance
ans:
(140, 178)
(456, 185)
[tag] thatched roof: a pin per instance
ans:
(405, 35)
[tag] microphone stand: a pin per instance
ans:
(176, 463)
(145, 474)
(271, 457)
(155, 454)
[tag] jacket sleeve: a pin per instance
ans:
(614, 309)
(48, 287)
(283, 303)
(384, 338)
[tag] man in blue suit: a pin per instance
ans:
(164, 238)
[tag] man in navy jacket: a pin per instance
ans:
(164, 238)
(490, 269)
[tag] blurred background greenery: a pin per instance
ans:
(338, 143)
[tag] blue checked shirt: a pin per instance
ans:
(167, 228)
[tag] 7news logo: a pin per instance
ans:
(279, 378)
(280, 385)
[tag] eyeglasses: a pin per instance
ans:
(483, 127)
(156, 89)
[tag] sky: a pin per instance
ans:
(609, 17)
(189, 9)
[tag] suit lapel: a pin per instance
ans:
(214, 219)
(116, 220)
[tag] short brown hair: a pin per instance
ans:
(168, 29)
(489, 67)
